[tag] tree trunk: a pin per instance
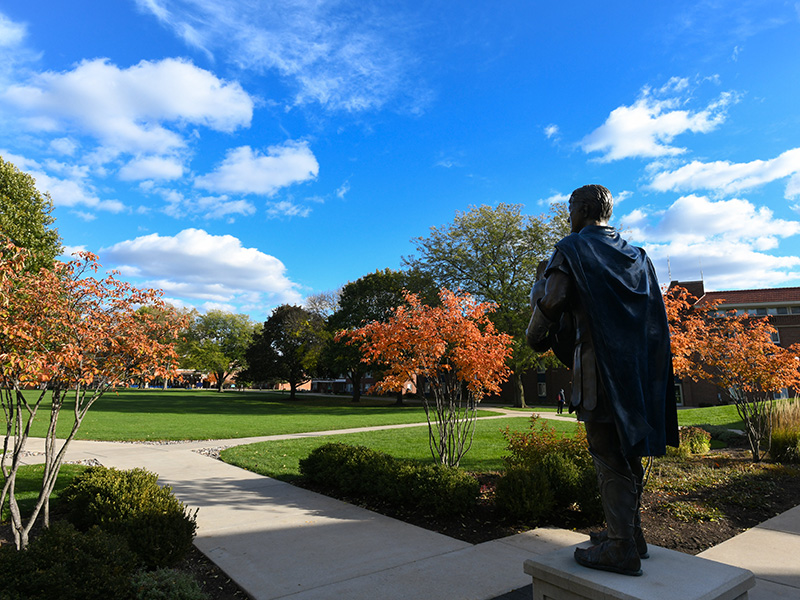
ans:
(399, 401)
(355, 378)
(519, 391)
(292, 390)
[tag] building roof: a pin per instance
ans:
(765, 297)
(772, 296)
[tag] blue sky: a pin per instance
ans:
(243, 154)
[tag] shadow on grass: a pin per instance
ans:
(228, 403)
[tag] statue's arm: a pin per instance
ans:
(547, 311)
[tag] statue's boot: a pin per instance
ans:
(598, 537)
(618, 553)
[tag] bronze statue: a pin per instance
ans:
(599, 306)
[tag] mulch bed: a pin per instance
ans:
(678, 512)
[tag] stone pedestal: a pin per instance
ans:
(668, 575)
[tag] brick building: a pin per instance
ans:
(781, 305)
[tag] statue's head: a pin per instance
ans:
(590, 205)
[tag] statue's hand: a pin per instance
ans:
(537, 292)
(540, 330)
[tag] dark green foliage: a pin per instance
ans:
(693, 440)
(547, 475)
(26, 217)
(156, 525)
(785, 446)
(524, 494)
(287, 348)
(67, 564)
(166, 584)
(725, 435)
(363, 472)
(696, 439)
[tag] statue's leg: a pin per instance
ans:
(598, 537)
(618, 492)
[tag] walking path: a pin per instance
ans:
(280, 541)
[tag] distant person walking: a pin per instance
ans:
(561, 400)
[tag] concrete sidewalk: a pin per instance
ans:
(280, 541)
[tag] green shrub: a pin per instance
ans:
(785, 443)
(560, 469)
(156, 525)
(67, 564)
(725, 435)
(530, 447)
(693, 440)
(436, 489)
(698, 440)
(166, 584)
(367, 473)
(524, 494)
(785, 446)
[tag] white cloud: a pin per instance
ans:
(555, 199)
(246, 171)
(342, 55)
(551, 131)
(648, 127)
(70, 250)
(209, 207)
(72, 192)
(343, 190)
(727, 240)
(151, 167)
(129, 110)
(195, 265)
(65, 146)
(285, 208)
(11, 33)
(726, 177)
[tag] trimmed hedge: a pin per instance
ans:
(68, 564)
(362, 472)
(131, 504)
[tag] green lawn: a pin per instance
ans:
(29, 482)
(205, 414)
(714, 415)
(280, 459)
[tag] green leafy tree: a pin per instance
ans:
(370, 298)
(217, 342)
(287, 348)
(25, 217)
(492, 253)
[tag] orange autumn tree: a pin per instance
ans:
(67, 336)
(458, 352)
(735, 352)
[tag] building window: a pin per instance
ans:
(782, 310)
(796, 310)
(542, 390)
(761, 312)
(776, 337)
(679, 394)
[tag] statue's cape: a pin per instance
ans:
(619, 290)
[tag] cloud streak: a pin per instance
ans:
(724, 177)
(341, 55)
